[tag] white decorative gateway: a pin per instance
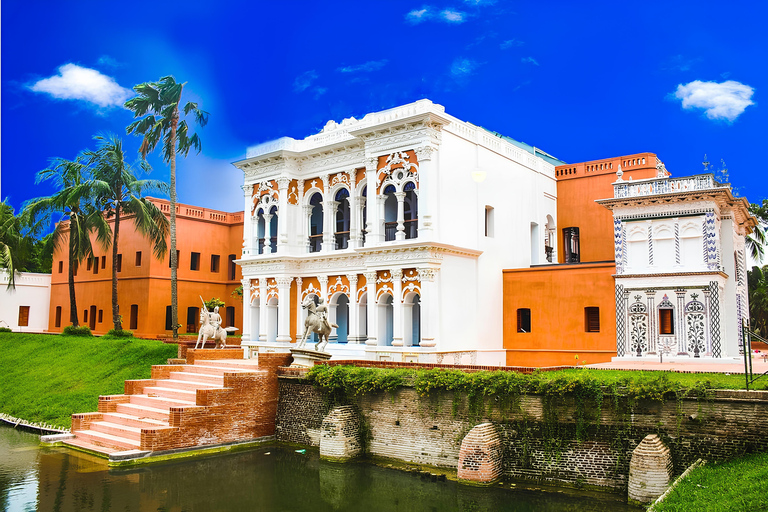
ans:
(402, 221)
(681, 286)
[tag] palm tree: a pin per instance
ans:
(757, 283)
(74, 202)
(157, 104)
(119, 193)
(756, 240)
(15, 245)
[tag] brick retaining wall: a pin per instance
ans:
(424, 430)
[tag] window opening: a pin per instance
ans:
(342, 219)
(194, 261)
(230, 318)
(23, 316)
(316, 223)
(58, 316)
(103, 262)
(232, 266)
(61, 267)
(134, 316)
(215, 262)
(138, 258)
(119, 262)
(168, 318)
(571, 245)
(523, 320)
(489, 221)
(666, 323)
(592, 319)
(192, 318)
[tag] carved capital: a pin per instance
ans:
(324, 179)
(247, 190)
(352, 278)
(370, 277)
(283, 182)
(397, 274)
(424, 153)
(283, 281)
(323, 280)
(427, 274)
(372, 163)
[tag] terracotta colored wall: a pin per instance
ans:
(557, 296)
(148, 286)
(578, 186)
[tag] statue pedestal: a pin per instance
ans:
(306, 358)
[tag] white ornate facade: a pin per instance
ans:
(680, 267)
(402, 221)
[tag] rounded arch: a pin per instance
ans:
(412, 319)
(386, 318)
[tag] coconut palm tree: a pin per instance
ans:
(756, 240)
(80, 217)
(157, 104)
(15, 245)
(119, 193)
(757, 283)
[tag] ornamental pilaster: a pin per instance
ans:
(372, 308)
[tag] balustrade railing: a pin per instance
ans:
(665, 186)
(315, 242)
(342, 239)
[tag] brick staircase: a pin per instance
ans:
(213, 399)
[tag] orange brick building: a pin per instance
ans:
(554, 312)
(208, 243)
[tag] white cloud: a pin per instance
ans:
(509, 43)
(319, 91)
(453, 16)
(304, 80)
(371, 65)
(463, 67)
(726, 100)
(78, 83)
(479, 3)
(529, 60)
(427, 13)
(107, 61)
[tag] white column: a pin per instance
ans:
(267, 233)
(400, 235)
(352, 316)
(397, 307)
(407, 324)
(428, 193)
(334, 336)
(429, 307)
(299, 311)
(353, 229)
(246, 332)
(329, 225)
(373, 323)
(323, 287)
(282, 214)
(284, 309)
(305, 230)
(263, 309)
(357, 236)
(373, 229)
(247, 218)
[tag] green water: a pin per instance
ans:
(268, 479)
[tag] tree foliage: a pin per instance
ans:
(757, 280)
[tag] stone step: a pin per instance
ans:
(132, 420)
(82, 443)
(198, 377)
(116, 429)
(143, 412)
(159, 403)
(177, 394)
(188, 385)
(208, 370)
(107, 440)
(247, 365)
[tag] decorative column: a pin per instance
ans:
(708, 324)
(267, 233)
(305, 230)
(263, 309)
(353, 315)
(428, 197)
(282, 214)
(323, 287)
(373, 228)
(373, 323)
(246, 332)
(329, 225)
(429, 307)
(682, 345)
(397, 307)
(357, 236)
(284, 309)
(400, 235)
(653, 332)
(247, 220)
(299, 311)
(353, 229)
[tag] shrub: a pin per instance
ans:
(119, 333)
(6, 329)
(71, 330)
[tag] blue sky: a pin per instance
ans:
(581, 80)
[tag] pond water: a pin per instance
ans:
(267, 479)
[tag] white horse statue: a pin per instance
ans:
(316, 322)
(208, 330)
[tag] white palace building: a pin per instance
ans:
(402, 221)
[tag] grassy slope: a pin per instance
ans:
(716, 380)
(740, 485)
(49, 377)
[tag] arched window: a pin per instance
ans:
(342, 219)
(390, 213)
(411, 211)
(316, 223)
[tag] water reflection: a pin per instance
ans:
(268, 479)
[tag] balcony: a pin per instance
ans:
(315, 242)
(411, 228)
(342, 239)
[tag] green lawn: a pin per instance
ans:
(46, 378)
(740, 485)
(716, 380)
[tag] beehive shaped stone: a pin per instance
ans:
(339, 434)
(650, 470)
(480, 456)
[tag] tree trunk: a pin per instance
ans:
(71, 278)
(116, 320)
(174, 260)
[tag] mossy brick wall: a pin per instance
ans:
(539, 443)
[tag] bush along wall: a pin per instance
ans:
(569, 429)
